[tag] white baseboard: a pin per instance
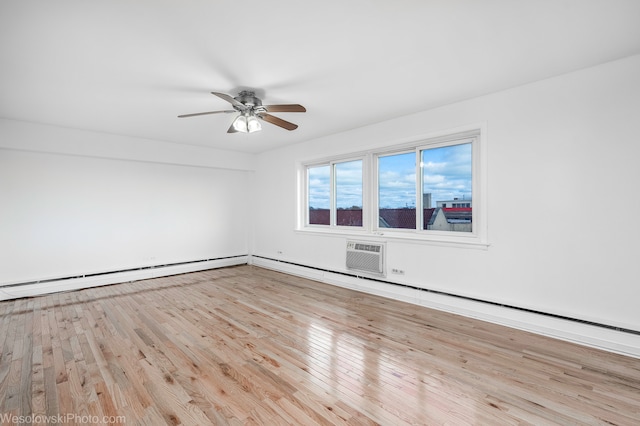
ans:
(573, 331)
(54, 286)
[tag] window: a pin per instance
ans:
(397, 191)
(334, 194)
(430, 189)
(443, 182)
(319, 190)
(447, 179)
(348, 178)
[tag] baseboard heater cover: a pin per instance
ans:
(456, 296)
(76, 282)
(609, 337)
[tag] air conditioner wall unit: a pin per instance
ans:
(366, 257)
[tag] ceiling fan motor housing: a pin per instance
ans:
(248, 99)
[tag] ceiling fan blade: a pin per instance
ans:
(278, 121)
(205, 113)
(231, 100)
(285, 108)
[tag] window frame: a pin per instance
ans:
(307, 195)
(477, 238)
(375, 208)
(474, 183)
(333, 210)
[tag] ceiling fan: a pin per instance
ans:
(250, 108)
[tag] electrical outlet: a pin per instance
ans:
(397, 271)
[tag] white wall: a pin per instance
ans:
(104, 210)
(559, 151)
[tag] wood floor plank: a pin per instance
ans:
(249, 346)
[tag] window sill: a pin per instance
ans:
(471, 242)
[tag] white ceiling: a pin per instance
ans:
(129, 67)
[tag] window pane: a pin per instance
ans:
(397, 191)
(447, 188)
(349, 193)
(319, 195)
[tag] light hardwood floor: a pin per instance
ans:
(245, 345)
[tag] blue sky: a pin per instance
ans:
(447, 175)
(349, 184)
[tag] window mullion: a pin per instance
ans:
(419, 190)
(332, 196)
(366, 193)
(373, 191)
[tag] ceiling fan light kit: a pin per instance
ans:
(251, 109)
(246, 124)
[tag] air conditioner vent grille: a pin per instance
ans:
(365, 257)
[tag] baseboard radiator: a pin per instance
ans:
(76, 282)
(604, 336)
